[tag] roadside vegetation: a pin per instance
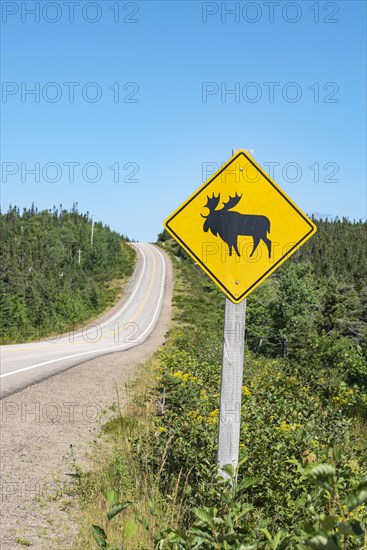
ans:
(302, 480)
(43, 289)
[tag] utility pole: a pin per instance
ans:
(231, 383)
(79, 252)
(91, 235)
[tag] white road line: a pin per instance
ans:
(161, 291)
(110, 349)
(132, 295)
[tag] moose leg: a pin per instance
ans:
(236, 249)
(230, 249)
(256, 244)
(268, 244)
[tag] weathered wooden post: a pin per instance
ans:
(231, 385)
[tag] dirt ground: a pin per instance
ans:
(48, 426)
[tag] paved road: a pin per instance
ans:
(130, 325)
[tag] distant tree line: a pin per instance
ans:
(43, 287)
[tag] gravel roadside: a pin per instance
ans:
(47, 426)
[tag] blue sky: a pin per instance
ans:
(174, 64)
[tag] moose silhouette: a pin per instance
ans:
(230, 225)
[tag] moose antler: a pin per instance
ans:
(212, 202)
(233, 201)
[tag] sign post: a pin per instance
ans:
(239, 227)
(231, 385)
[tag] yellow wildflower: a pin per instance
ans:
(285, 427)
(358, 513)
(161, 429)
(246, 391)
(211, 420)
(177, 374)
(184, 376)
(203, 395)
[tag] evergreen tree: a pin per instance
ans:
(43, 289)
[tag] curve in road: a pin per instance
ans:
(130, 325)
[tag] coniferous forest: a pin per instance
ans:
(44, 289)
(317, 303)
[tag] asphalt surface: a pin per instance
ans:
(128, 326)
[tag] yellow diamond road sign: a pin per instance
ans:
(239, 226)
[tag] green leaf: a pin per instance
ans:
(111, 497)
(152, 508)
(175, 536)
(357, 497)
(293, 461)
(112, 512)
(200, 534)
(204, 514)
(337, 453)
(278, 539)
(228, 496)
(99, 536)
(241, 462)
(228, 469)
(267, 534)
(130, 529)
(344, 528)
(321, 542)
(245, 510)
(250, 482)
(322, 472)
(329, 523)
(144, 522)
(228, 537)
